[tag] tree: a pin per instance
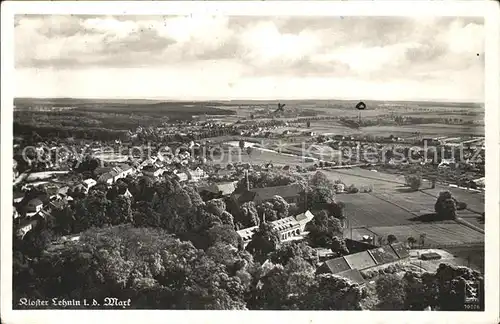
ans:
(319, 179)
(149, 266)
(329, 292)
(442, 290)
(264, 241)
(270, 291)
(281, 206)
(422, 239)
(92, 211)
(390, 292)
(290, 250)
(339, 246)
(179, 215)
(120, 211)
(319, 196)
(227, 218)
(63, 220)
(144, 189)
(452, 284)
(461, 205)
(380, 240)
(300, 274)
(389, 154)
(411, 241)
(324, 230)
(308, 124)
(445, 206)
(224, 234)
(241, 144)
(281, 287)
(216, 206)
(112, 193)
(391, 239)
(352, 189)
(413, 181)
(145, 216)
(36, 242)
(337, 210)
(249, 214)
(267, 213)
(194, 196)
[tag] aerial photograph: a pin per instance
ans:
(233, 162)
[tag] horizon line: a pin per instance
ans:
(255, 99)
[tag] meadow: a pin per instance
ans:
(364, 209)
(366, 178)
(392, 209)
(418, 203)
(430, 130)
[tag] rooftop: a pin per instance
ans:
(268, 193)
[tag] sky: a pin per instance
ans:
(250, 57)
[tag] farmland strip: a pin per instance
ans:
(393, 203)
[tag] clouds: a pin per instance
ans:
(315, 49)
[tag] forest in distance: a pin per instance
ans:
(103, 119)
(23, 101)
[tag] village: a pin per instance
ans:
(53, 178)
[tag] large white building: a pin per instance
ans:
(289, 228)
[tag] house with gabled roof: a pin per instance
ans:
(107, 178)
(181, 176)
(126, 170)
(347, 266)
(152, 171)
(127, 194)
(89, 183)
(115, 173)
(33, 206)
(220, 189)
(25, 226)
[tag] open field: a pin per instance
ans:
(363, 209)
(437, 233)
(425, 130)
(391, 204)
(363, 178)
(416, 202)
(332, 127)
(472, 218)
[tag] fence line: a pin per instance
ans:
(450, 245)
